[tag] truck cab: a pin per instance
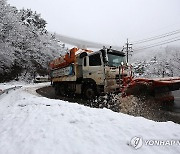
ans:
(102, 70)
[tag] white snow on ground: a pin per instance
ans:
(4, 86)
(33, 124)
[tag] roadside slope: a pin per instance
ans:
(34, 124)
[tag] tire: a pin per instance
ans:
(89, 93)
(60, 90)
(56, 89)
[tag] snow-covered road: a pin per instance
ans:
(31, 124)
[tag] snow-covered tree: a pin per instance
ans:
(25, 45)
(164, 63)
(30, 18)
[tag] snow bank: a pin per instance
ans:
(34, 125)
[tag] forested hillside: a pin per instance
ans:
(25, 45)
(160, 62)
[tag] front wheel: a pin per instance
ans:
(89, 93)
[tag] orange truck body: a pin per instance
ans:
(66, 60)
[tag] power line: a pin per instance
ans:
(163, 41)
(151, 46)
(157, 37)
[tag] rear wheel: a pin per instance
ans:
(56, 88)
(60, 90)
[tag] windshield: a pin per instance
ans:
(115, 60)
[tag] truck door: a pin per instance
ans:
(93, 68)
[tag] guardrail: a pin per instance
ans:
(9, 89)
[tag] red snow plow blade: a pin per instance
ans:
(160, 89)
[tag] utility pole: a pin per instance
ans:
(128, 49)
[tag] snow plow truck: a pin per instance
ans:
(90, 74)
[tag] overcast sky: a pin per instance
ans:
(107, 21)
